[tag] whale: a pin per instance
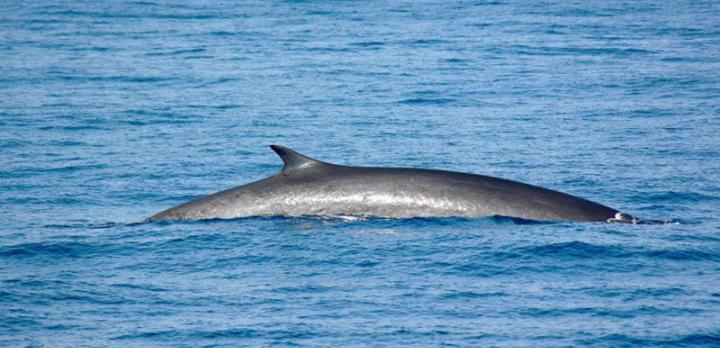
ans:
(307, 187)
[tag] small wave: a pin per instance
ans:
(143, 3)
(574, 249)
(66, 249)
(222, 33)
(92, 225)
(580, 51)
(695, 340)
(76, 168)
(606, 312)
(20, 322)
(637, 294)
(693, 237)
(582, 250)
(140, 15)
(429, 101)
(471, 295)
(683, 254)
(143, 287)
(456, 60)
(130, 79)
(426, 42)
(303, 289)
(676, 197)
(178, 52)
(319, 13)
(218, 334)
(370, 44)
(657, 293)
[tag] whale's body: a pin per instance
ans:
(308, 187)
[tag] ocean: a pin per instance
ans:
(111, 111)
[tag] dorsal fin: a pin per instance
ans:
(294, 160)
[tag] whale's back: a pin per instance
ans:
(322, 189)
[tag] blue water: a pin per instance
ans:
(113, 111)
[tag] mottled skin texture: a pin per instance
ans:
(307, 187)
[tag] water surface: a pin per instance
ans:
(113, 111)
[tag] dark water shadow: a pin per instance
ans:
(304, 220)
(443, 221)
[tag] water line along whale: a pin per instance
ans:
(309, 187)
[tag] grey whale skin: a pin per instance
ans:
(308, 187)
